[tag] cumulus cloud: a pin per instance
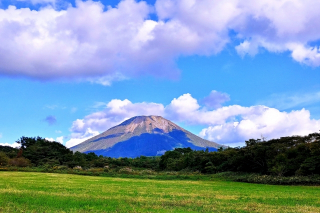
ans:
(187, 109)
(14, 145)
(183, 107)
(58, 139)
(276, 26)
(105, 44)
(86, 41)
(51, 120)
(229, 125)
(280, 26)
(52, 2)
(116, 111)
(79, 137)
(306, 54)
(269, 123)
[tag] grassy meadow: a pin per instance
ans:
(48, 192)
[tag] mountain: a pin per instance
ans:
(143, 135)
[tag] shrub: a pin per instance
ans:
(126, 170)
(106, 169)
(96, 170)
(4, 159)
(269, 179)
(60, 168)
(77, 168)
(147, 172)
(19, 162)
(46, 167)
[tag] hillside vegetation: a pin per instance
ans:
(295, 156)
(287, 156)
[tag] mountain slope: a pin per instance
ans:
(143, 135)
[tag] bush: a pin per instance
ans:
(106, 169)
(147, 172)
(96, 170)
(77, 168)
(19, 162)
(60, 168)
(4, 159)
(126, 170)
(269, 179)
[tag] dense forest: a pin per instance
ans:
(286, 156)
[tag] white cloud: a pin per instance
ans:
(277, 26)
(230, 125)
(116, 111)
(102, 45)
(183, 107)
(14, 145)
(58, 139)
(85, 41)
(247, 47)
(269, 123)
(280, 26)
(41, 1)
(77, 138)
(186, 109)
(306, 54)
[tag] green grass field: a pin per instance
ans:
(47, 192)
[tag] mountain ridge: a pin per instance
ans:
(142, 135)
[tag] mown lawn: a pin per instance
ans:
(47, 192)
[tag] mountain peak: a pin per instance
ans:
(143, 135)
(149, 124)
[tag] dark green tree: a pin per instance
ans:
(40, 151)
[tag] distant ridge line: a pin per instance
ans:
(143, 135)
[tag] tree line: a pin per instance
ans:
(286, 156)
(39, 152)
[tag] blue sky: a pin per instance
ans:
(227, 71)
